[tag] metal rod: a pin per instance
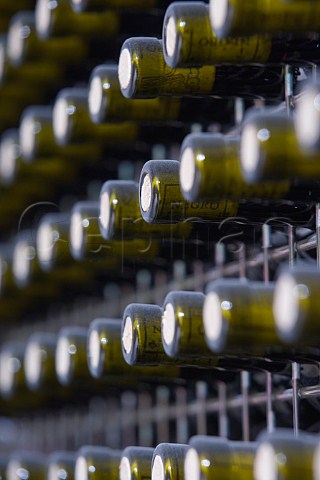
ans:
(295, 396)
(228, 270)
(289, 90)
(315, 72)
(245, 380)
(269, 409)
(162, 420)
(309, 392)
(182, 427)
(242, 261)
(292, 245)
(223, 417)
(266, 244)
(220, 257)
(239, 110)
(201, 400)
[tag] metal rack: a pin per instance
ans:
(144, 418)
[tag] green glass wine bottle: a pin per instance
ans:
(280, 454)
(61, 465)
(208, 457)
(236, 18)
(295, 305)
(269, 150)
(95, 463)
(136, 463)
(106, 103)
(168, 461)
(143, 73)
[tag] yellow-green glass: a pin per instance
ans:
(215, 162)
(167, 204)
(273, 16)
(192, 42)
(136, 463)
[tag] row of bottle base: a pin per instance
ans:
(275, 455)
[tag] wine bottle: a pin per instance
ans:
(32, 295)
(70, 247)
(38, 361)
(71, 121)
(12, 375)
(183, 337)
(120, 216)
(40, 66)
(142, 343)
(87, 242)
(26, 271)
(61, 20)
(27, 464)
(269, 150)
(297, 290)
(37, 142)
(68, 58)
(8, 286)
(54, 256)
(97, 462)
(19, 45)
(189, 41)
(45, 157)
(52, 241)
(209, 457)
(106, 103)
(141, 336)
(27, 84)
(25, 46)
(307, 121)
(104, 354)
(24, 259)
(22, 82)
(61, 465)
(234, 18)
(161, 201)
(143, 73)
(121, 219)
(72, 124)
(280, 454)
(24, 181)
(135, 463)
(85, 238)
(37, 139)
(70, 356)
(182, 327)
(105, 359)
(237, 317)
(14, 392)
(9, 156)
(168, 461)
(209, 170)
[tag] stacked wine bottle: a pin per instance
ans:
(160, 240)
